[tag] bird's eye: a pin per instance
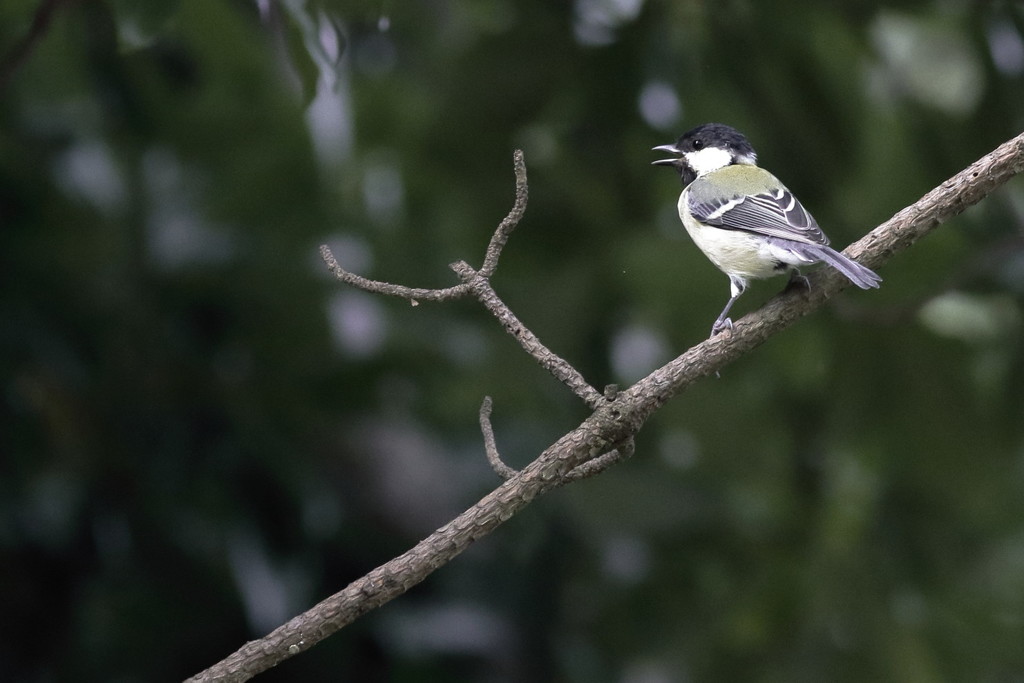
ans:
(698, 144)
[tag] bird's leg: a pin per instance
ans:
(724, 322)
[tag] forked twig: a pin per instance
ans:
(477, 282)
(414, 294)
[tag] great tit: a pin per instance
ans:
(743, 219)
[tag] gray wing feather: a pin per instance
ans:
(777, 214)
(860, 275)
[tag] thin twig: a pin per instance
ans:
(510, 222)
(601, 463)
(413, 294)
(490, 445)
(562, 370)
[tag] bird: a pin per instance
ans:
(743, 218)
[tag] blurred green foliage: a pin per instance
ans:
(201, 434)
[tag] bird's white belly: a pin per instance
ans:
(734, 252)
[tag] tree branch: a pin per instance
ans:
(605, 437)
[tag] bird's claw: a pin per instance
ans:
(797, 280)
(721, 325)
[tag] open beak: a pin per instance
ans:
(677, 161)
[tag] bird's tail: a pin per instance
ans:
(862, 276)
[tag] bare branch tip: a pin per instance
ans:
(623, 451)
(519, 164)
(463, 270)
(493, 457)
(328, 256)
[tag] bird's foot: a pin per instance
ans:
(721, 325)
(797, 280)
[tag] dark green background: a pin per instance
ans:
(201, 434)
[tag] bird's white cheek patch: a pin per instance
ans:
(708, 159)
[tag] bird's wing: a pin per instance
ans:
(776, 213)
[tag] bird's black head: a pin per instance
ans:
(707, 148)
(716, 135)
